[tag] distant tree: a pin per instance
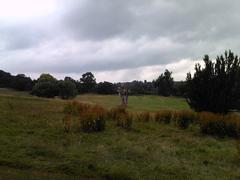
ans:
(67, 89)
(5, 79)
(214, 87)
(164, 84)
(87, 83)
(19, 82)
(136, 87)
(106, 88)
(69, 79)
(46, 86)
(179, 88)
(46, 78)
(22, 83)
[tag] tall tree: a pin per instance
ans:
(87, 82)
(213, 87)
(164, 84)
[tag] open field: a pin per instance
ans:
(137, 103)
(34, 146)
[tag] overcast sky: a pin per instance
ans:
(117, 40)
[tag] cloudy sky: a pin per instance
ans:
(117, 40)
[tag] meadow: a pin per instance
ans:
(34, 145)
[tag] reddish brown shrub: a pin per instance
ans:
(143, 116)
(163, 116)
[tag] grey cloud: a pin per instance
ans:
(99, 19)
(153, 32)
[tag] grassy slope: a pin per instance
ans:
(33, 145)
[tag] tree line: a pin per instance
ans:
(48, 86)
(214, 87)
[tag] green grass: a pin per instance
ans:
(137, 103)
(34, 146)
(8, 92)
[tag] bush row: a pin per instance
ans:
(220, 125)
(92, 118)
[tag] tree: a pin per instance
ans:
(46, 86)
(5, 79)
(22, 83)
(87, 83)
(67, 89)
(213, 87)
(164, 84)
(136, 87)
(179, 88)
(106, 88)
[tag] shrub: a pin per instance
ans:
(76, 108)
(184, 118)
(67, 122)
(219, 125)
(124, 120)
(91, 117)
(232, 123)
(67, 89)
(163, 116)
(212, 124)
(114, 113)
(238, 148)
(143, 117)
(92, 122)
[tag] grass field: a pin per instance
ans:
(34, 146)
(137, 103)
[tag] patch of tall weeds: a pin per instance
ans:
(220, 125)
(67, 122)
(91, 117)
(184, 118)
(124, 120)
(143, 117)
(163, 116)
(91, 121)
(76, 108)
(113, 113)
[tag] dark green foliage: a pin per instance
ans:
(19, 82)
(87, 83)
(22, 83)
(236, 92)
(212, 87)
(106, 88)
(67, 89)
(5, 79)
(46, 86)
(179, 88)
(140, 87)
(164, 84)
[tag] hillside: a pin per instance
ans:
(33, 144)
